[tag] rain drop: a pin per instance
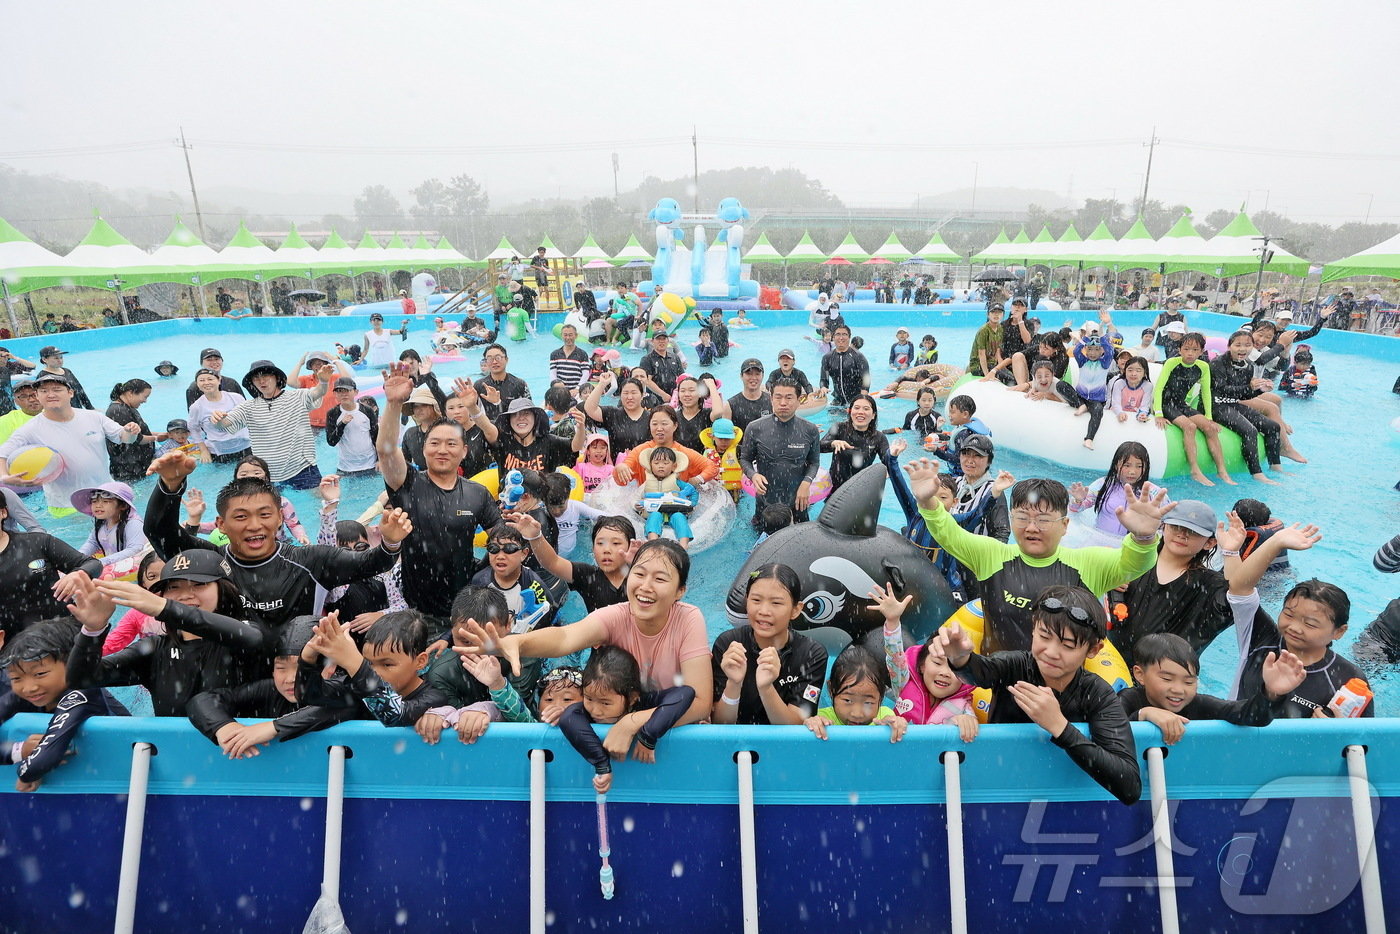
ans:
(400, 746)
(306, 804)
(548, 918)
(860, 826)
(628, 824)
(677, 869)
(76, 899)
(401, 917)
(189, 781)
(855, 797)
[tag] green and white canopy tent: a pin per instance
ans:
(295, 257)
(936, 251)
(850, 250)
(1038, 251)
(25, 266)
(1136, 249)
(996, 251)
(107, 260)
(453, 255)
(368, 255)
(1185, 249)
(1383, 259)
(550, 250)
(503, 252)
(590, 250)
(1236, 251)
(245, 257)
(763, 251)
(806, 251)
(631, 252)
(892, 250)
(1097, 249)
(182, 251)
(398, 255)
(336, 257)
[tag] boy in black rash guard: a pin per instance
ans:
(37, 571)
(751, 403)
(612, 689)
(844, 369)
(1049, 687)
(276, 581)
(787, 368)
(203, 648)
(1314, 615)
(36, 663)
(385, 678)
(1165, 694)
(213, 713)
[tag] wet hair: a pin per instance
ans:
(929, 337)
(256, 461)
(348, 531)
(963, 404)
(49, 638)
(294, 636)
(1044, 365)
(665, 453)
(857, 342)
(781, 573)
(1264, 324)
(483, 604)
(855, 664)
(559, 399)
(246, 487)
(1038, 491)
(1241, 333)
(787, 382)
(843, 326)
(1165, 647)
(148, 559)
(632, 381)
(1195, 337)
(131, 385)
(925, 391)
(1061, 623)
(557, 488)
(1120, 457)
(1329, 595)
(671, 552)
(1252, 512)
(403, 631)
(411, 354)
(1147, 331)
(874, 409)
(614, 668)
(506, 533)
(1140, 361)
(667, 411)
(617, 523)
(950, 482)
(443, 421)
(490, 347)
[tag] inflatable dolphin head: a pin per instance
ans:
(730, 211)
(842, 556)
(667, 212)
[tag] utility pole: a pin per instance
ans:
(976, 166)
(1264, 256)
(615, 167)
(695, 156)
(1370, 199)
(198, 217)
(1147, 176)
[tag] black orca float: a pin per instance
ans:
(841, 556)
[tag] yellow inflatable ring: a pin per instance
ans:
(1107, 664)
(491, 479)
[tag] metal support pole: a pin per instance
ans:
(537, 832)
(748, 851)
(335, 822)
(957, 878)
(1162, 842)
(1364, 828)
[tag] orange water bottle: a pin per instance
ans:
(1351, 700)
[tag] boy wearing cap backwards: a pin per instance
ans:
(751, 402)
(352, 428)
(78, 436)
(1046, 684)
(210, 359)
(1179, 376)
(787, 369)
(1012, 574)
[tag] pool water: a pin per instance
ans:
(1346, 489)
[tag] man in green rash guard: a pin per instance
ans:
(1012, 574)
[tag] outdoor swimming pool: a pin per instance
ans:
(1345, 430)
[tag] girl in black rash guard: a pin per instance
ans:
(203, 649)
(1231, 376)
(35, 574)
(600, 584)
(856, 443)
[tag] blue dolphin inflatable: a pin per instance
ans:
(842, 556)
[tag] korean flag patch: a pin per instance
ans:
(811, 693)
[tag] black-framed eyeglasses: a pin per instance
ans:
(510, 548)
(1056, 605)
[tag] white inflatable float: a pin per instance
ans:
(709, 520)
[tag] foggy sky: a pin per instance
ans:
(1018, 90)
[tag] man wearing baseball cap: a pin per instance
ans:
(26, 406)
(52, 360)
(211, 359)
(10, 367)
(751, 402)
(787, 368)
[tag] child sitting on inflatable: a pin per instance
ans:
(721, 442)
(595, 464)
(1048, 686)
(962, 415)
(665, 498)
(741, 320)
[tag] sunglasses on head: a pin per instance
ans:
(98, 497)
(1056, 605)
(510, 548)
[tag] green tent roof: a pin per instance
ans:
(763, 251)
(849, 249)
(893, 250)
(590, 250)
(806, 251)
(995, 252)
(1383, 259)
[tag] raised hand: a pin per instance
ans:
(1078, 492)
(768, 668)
(173, 467)
(133, 595)
(66, 587)
(953, 644)
(1298, 537)
(329, 488)
(524, 523)
(1039, 703)
(90, 606)
(488, 640)
(923, 482)
(1282, 673)
(890, 606)
(485, 669)
(395, 526)
(464, 390)
(398, 384)
(1229, 535)
(1142, 513)
(1005, 480)
(735, 663)
(490, 393)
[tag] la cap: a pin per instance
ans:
(200, 565)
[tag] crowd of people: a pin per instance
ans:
(257, 633)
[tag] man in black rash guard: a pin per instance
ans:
(844, 368)
(780, 453)
(786, 361)
(664, 367)
(1049, 687)
(36, 575)
(497, 388)
(751, 403)
(438, 560)
(276, 581)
